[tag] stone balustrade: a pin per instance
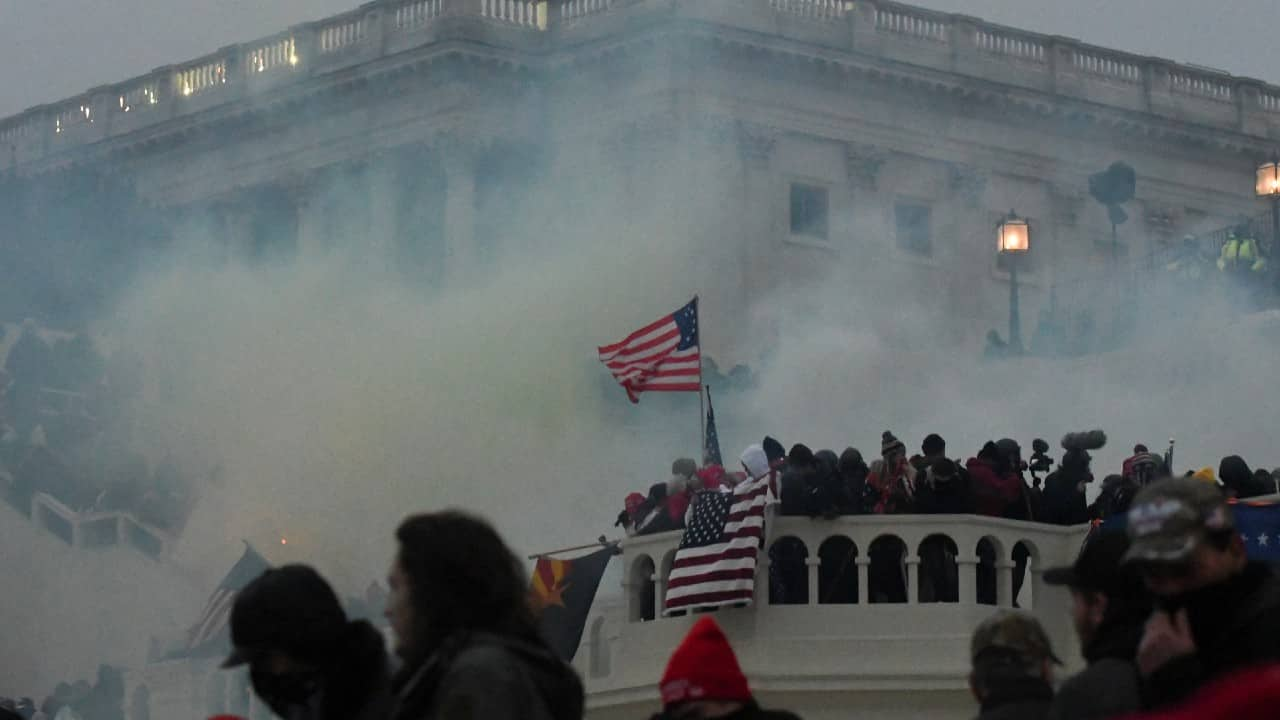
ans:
(877, 29)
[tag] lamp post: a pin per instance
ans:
(1267, 185)
(1013, 238)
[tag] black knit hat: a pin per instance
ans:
(773, 449)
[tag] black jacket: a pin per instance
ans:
(1110, 686)
(1025, 700)
(1235, 623)
(1062, 502)
(482, 676)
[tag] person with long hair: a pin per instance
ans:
(459, 609)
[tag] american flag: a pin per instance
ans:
(661, 357)
(202, 637)
(716, 562)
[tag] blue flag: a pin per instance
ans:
(1258, 523)
(711, 442)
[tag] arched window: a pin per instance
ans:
(888, 576)
(641, 587)
(838, 571)
(989, 551)
(788, 574)
(599, 644)
(939, 575)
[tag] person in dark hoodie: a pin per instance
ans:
(459, 610)
(797, 480)
(1064, 490)
(1217, 611)
(703, 680)
(827, 496)
(994, 489)
(1109, 608)
(853, 472)
(306, 660)
(1239, 481)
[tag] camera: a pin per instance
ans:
(1040, 460)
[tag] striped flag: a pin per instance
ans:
(661, 357)
(204, 638)
(716, 562)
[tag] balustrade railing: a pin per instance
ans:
(514, 12)
(97, 529)
(999, 43)
(1107, 66)
(1202, 85)
(14, 131)
(417, 13)
(200, 78)
(812, 9)
(140, 97)
(340, 35)
(72, 116)
(924, 27)
(282, 53)
(1269, 101)
(573, 9)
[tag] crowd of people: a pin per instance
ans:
(997, 482)
(101, 700)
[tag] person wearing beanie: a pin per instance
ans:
(774, 451)
(893, 477)
(703, 680)
(306, 660)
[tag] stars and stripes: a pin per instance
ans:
(663, 356)
(716, 562)
(214, 620)
(1259, 525)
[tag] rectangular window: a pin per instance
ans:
(809, 211)
(913, 229)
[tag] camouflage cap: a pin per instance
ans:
(1170, 518)
(1010, 633)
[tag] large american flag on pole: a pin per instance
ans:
(207, 636)
(716, 562)
(663, 356)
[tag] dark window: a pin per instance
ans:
(913, 229)
(808, 211)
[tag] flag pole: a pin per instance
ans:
(601, 542)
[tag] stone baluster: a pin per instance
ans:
(815, 565)
(968, 578)
(1004, 583)
(761, 589)
(659, 593)
(864, 579)
(912, 563)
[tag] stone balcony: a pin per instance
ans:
(883, 39)
(864, 650)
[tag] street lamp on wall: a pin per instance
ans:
(1013, 238)
(1267, 185)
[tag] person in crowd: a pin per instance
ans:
(9, 710)
(1064, 490)
(1012, 466)
(306, 660)
(994, 490)
(893, 477)
(940, 490)
(1117, 495)
(1217, 611)
(633, 512)
(774, 451)
(943, 489)
(931, 449)
(1249, 694)
(1109, 608)
(828, 496)
(1239, 480)
(853, 473)
(798, 480)
(680, 489)
(459, 610)
(755, 462)
(703, 680)
(1126, 468)
(1012, 667)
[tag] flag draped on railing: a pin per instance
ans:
(663, 356)
(715, 564)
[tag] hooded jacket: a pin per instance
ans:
(1240, 480)
(483, 676)
(1110, 686)
(993, 493)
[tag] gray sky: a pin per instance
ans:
(55, 49)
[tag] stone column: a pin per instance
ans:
(659, 594)
(458, 160)
(814, 564)
(384, 216)
(759, 234)
(761, 589)
(864, 579)
(1004, 583)
(913, 579)
(968, 577)
(313, 231)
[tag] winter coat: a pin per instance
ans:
(853, 473)
(1110, 686)
(1116, 497)
(1235, 623)
(1252, 694)
(1240, 481)
(950, 497)
(482, 676)
(993, 493)
(1026, 699)
(1063, 502)
(896, 487)
(794, 487)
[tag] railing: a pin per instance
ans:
(200, 78)
(341, 35)
(97, 529)
(573, 9)
(417, 13)
(515, 12)
(899, 21)
(1269, 101)
(1205, 86)
(140, 97)
(1023, 48)
(14, 131)
(811, 9)
(1107, 66)
(282, 53)
(70, 117)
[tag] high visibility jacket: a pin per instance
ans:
(1241, 253)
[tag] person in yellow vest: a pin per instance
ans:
(1240, 253)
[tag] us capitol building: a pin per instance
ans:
(781, 138)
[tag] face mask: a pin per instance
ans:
(282, 693)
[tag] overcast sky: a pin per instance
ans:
(55, 49)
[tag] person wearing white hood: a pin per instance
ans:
(756, 464)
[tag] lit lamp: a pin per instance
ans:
(1267, 185)
(1013, 236)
